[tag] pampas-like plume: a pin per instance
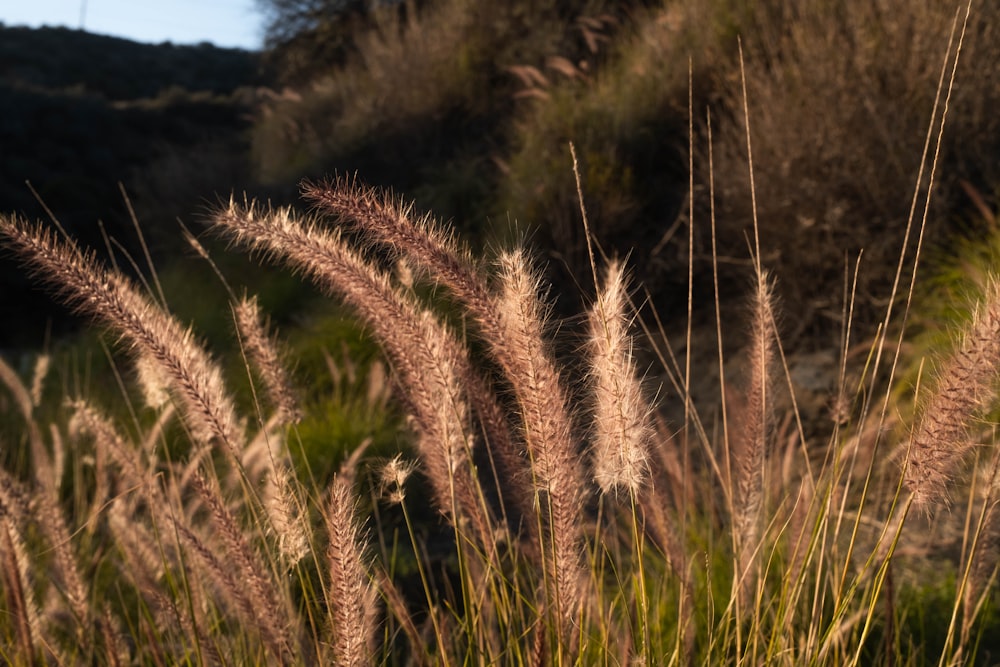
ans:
(434, 252)
(555, 460)
(963, 390)
(426, 354)
(16, 567)
(53, 523)
(232, 592)
(284, 508)
(622, 427)
(88, 420)
(45, 472)
(153, 384)
(38, 379)
(268, 613)
(117, 303)
(352, 597)
(750, 439)
(380, 217)
(17, 595)
(512, 327)
(263, 352)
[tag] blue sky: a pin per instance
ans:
(235, 23)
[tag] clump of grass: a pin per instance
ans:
(546, 561)
(561, 534)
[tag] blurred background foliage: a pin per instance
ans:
(468, 108)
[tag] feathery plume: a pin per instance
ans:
(16, 567)
(58, 456)
(392, 479)
(17, 591)
(234, 593)
(425, 352)
(268, 612)
(16, 386)
(963, 390)
(153, 384)
(750, 438)
(284, 508)
(555, 462)
(64, 566)
(266, 451)
(41, 461)
(263, 352)
(622, 427)
(151, 332)
(138, 545)
(85, 419)
(38, 378)
(352, 598)
(389, 222)
(434, 252)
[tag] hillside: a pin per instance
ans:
(469, 110)
(81, 113)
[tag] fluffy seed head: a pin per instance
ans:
(622, 427)
(963, 391)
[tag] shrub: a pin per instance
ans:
(425, 92)
(840, 101)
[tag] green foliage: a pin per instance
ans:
(346, 392)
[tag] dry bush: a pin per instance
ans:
(425, 99)
(841, 98)
(628, 119)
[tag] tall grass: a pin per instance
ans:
(571, 522)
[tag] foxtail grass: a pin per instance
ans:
(576, 531)
(572, 521)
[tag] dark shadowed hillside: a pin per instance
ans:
(81, 113)
(115, 68)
